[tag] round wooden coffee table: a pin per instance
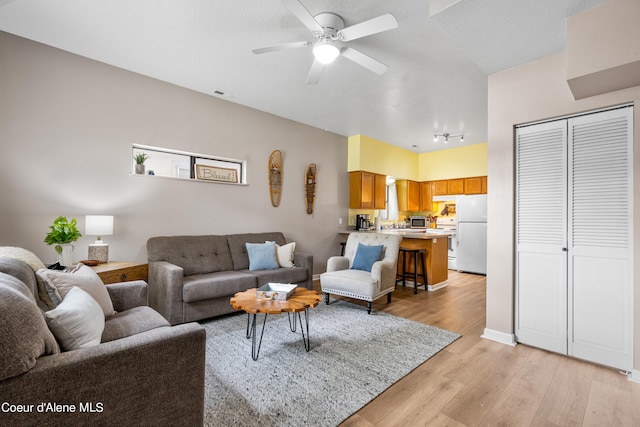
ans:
(301, 301)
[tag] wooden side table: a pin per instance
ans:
(117, 271)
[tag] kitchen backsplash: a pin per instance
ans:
(441, 209)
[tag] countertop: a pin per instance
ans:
(406, 233)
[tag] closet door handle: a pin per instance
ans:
(564, 249)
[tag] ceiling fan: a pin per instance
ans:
(331, 36)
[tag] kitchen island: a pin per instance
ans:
(434, 242)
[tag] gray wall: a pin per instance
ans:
(66, 128)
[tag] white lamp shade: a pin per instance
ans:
(325, 52)
(98, 225)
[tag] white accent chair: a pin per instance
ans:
(341, 279)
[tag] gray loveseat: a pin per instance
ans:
(144, 371)
(194, 277)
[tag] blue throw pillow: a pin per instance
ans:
(365, 256)
(262, 256)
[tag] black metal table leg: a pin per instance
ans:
(248, 334)
(306, 341)
(293, 325)
(251, 333)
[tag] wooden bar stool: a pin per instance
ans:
(415, 253)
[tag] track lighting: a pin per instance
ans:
(447, 135)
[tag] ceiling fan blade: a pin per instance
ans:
(315, 72)
(303, 15)
(364, 60)
(367, 28)
(278, 47)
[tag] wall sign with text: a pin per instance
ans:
(215, 173)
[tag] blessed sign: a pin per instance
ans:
(215, 173)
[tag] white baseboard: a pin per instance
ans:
(437, 286)
(430, 288)
(501, 337)
(634, 376)
(316, 277)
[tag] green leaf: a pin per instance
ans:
(62, 231)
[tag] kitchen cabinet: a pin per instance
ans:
(473, 185)
(426, 200)
(455, 186)
(380, 191)
(367, 190)
(439, 188)
(446, 187)
(408, 195)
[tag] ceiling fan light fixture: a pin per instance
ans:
(325, 52)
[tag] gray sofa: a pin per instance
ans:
(144, 371)
(194, 277)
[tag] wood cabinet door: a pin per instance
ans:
(402, 189)
(440, 188)
(413, 193)
(367, 190)
(473, 185)
(455, 186)
(408, 195)
(380, 192)
(426, 200)
(361, 190)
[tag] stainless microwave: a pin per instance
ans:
(418, 222)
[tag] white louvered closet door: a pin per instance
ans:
(541, 213)
(574, 268)
(600, 237)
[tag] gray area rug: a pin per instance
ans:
(353, 358)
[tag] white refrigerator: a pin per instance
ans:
(472, 233)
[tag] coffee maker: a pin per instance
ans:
(362, 222)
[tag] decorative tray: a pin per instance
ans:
(277, 291)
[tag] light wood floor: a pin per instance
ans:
(478, 382)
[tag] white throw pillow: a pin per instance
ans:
(284, 254)
(22, 254)
(77, 322)
(59, 283)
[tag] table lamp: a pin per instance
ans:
(99, 225)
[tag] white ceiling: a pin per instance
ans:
(437, 81)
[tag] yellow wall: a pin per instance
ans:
(371, 155)
(454, 163)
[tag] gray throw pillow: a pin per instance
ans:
(23, 331)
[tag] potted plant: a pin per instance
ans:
(62, 234)
(140, 158)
